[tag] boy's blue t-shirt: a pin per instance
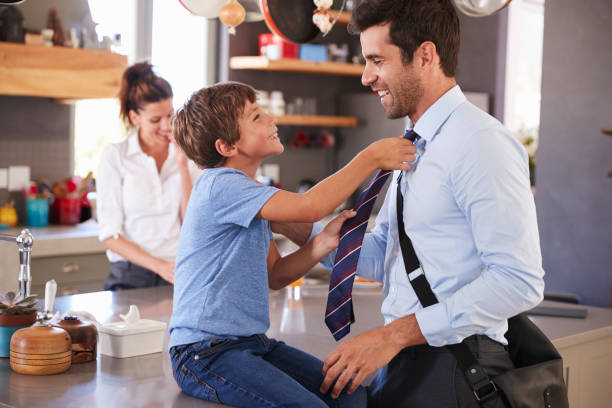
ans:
(221, 277)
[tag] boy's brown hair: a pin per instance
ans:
(211, 113)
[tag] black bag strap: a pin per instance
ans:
(484, 389)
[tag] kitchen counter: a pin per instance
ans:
(296, 318)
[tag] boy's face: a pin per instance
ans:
(258, 133)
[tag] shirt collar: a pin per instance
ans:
(133, 144)
(428, 125)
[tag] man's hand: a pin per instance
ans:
(362, 355)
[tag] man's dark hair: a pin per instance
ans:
(413, 22)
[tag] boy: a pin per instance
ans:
(227, 259)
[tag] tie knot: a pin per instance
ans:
(411, 135)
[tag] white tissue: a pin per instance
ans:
(132, 316)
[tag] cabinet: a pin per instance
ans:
(587, 372)
(59, 72)
(74, 274)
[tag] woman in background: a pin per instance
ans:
(143, 186)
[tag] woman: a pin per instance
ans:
(143, 186)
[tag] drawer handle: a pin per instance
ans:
(70, 267)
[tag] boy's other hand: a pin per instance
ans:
(394, 153)
(328, 239)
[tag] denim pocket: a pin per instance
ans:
(205, 349)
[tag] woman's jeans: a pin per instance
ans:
(254, 371)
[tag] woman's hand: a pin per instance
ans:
(328, 239)
(181, 158)
(165, 269)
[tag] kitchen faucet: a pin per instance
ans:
(24, 241)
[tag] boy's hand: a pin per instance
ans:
(328, 239)
(394, 153)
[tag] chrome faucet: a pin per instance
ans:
(24, 241)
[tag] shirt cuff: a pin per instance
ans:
(328, 260)
(108, 232)
(436, 326)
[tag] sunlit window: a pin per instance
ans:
(179, 54)
(179, 48)
(524, 72)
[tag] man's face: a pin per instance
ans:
(397, 84)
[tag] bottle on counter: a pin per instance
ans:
(263, 100)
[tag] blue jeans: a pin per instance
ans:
(254, 371)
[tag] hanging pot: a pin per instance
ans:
(480, 8)
(291, 20)
(210, 8)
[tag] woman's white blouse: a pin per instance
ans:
(136, 201)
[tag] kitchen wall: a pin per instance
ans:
(573, 190)
(36, 132)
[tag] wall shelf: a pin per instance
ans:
(344, 19)
(59, 72)
(296, 65)
(317, 120)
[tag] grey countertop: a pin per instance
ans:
(146, 381)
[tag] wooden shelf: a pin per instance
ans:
(59, 72)
(316, 120)
(296, 65)
(606, 131)
(344, 19)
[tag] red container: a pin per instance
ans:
(274, 47)
(66, 211)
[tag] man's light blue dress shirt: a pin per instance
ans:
(470, 213)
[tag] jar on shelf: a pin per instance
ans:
(263, 100)
(277, 103)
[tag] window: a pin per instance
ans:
(96, 122)
(524, 72)
(179, 49)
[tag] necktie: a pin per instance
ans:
(339, 311)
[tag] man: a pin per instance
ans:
(468, 210)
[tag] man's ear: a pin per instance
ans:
(426, 54)
(225, 149)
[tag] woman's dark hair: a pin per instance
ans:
(211, 113)
(412, 23)
(141, 86)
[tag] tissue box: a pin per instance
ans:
(122, 340)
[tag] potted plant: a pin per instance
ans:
(16, 312)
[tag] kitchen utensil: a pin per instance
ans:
(84, 338)
(290, 20)
(50, 292)
(480, 8)
(210, 8)
(40, 350)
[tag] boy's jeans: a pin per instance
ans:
(254, 371)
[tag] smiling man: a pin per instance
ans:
(467, 208)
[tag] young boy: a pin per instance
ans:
(227, 259)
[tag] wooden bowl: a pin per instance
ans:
(40, 350)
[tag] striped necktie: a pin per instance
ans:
(339, 311)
